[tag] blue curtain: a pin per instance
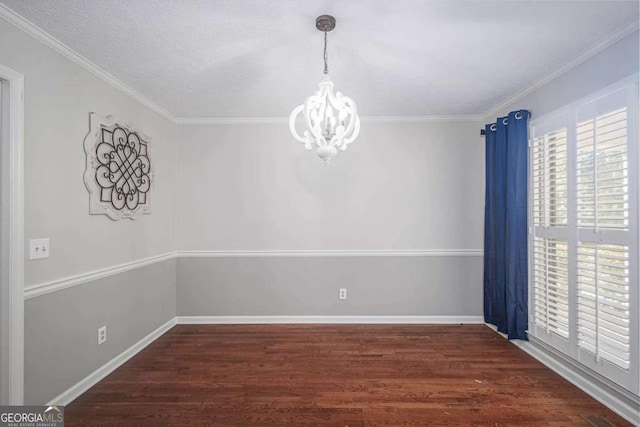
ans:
(505, 225)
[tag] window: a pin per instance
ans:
(584, 233)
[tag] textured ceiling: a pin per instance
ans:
(257, 58)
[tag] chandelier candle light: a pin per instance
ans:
(331, 120)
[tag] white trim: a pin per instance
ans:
(423, 119)
(619, 400)
(252, 320)
(330, 253)
(582, 57)
(96, 376)
(285, 120)
(50, 41)
(67, 282)
(13, 190)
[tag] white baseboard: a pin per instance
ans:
(620, 401)
(92, 379)
(230, 320)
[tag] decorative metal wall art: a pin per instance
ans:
(119, 172)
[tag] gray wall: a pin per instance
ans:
(377, 285)
(61, 327)
(58, 98)
(399, 186)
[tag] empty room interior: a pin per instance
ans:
(319, 213)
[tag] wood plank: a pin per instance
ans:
(335, 375)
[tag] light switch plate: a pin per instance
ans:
(38, 248)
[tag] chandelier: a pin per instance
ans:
(331, 119)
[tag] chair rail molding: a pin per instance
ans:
(330, 253)
(55, 285)
(79, 279)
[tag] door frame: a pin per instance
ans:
(12, 246)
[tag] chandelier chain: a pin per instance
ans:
(326, 55)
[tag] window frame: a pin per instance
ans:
(567, 118)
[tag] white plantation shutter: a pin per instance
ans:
(584, 233)
(603, 302)
(550, 179)
(549, 263)
(602, 171)
(551, 285)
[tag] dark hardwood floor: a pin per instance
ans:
(335, 375)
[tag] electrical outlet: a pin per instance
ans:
(38, 248)
(102, 335)
(343, 293)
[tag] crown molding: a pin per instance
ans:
(365, 119)
(582, 57)
(423, 119)
(231, 120)
(50, 41)
(55, 44)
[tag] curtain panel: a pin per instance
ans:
(505, 230)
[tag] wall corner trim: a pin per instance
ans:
(92, 379)
(12, 289)
(390, 320)
(64, 50)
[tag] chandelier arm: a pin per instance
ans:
(315, 107)
(294, 132)
(313, 122)
(350, 107)
(347, 132)
(354, 134)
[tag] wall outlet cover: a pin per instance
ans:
(102, 335)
